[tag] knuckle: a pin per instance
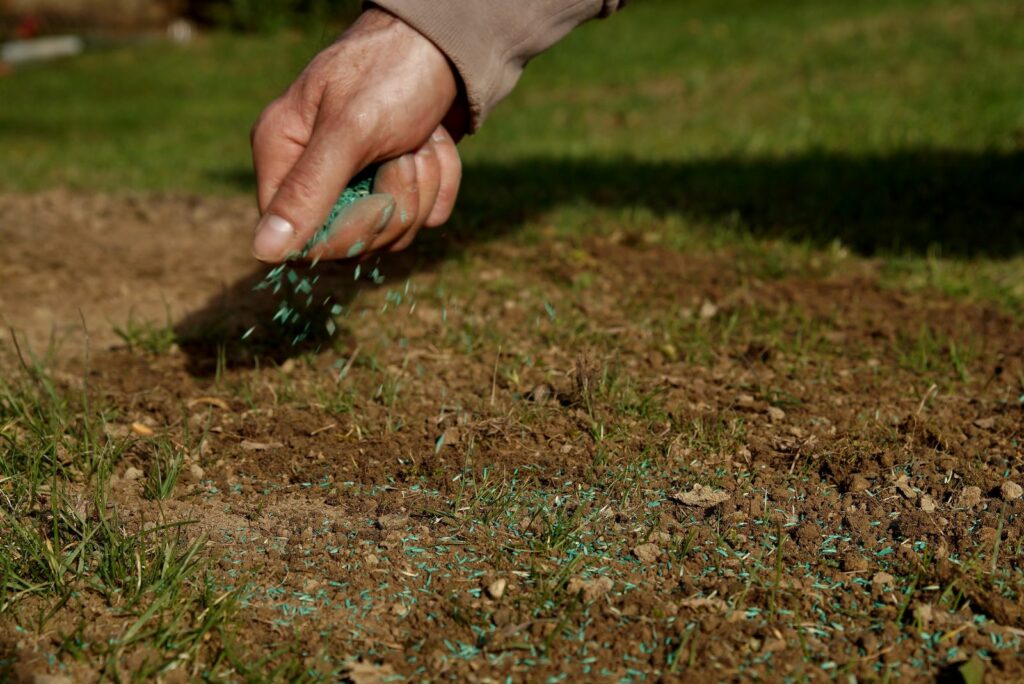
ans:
(300, 188)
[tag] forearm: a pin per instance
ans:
(490, 41)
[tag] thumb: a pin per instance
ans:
(304, 198)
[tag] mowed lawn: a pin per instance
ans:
(716, 373)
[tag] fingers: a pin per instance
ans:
(428, 172)
(451, 178)
(355, 228)
(277, 143)
(305, 196)
(410, 192)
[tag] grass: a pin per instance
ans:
(64, 547)
(786, 141)
(146, 336)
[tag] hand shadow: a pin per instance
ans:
(964, 204)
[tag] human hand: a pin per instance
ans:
(380, 93)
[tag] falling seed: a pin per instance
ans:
(551, 311)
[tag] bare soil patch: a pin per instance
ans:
(599, 460)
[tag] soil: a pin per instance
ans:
(597, 459)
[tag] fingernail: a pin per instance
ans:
(273, 237)
(407, 170)
(438, 136)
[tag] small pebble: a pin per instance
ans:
(775, 414)
(132, 473)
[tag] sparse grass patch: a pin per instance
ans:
(146, 336)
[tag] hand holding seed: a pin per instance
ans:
(381, 92)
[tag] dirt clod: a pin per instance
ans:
(592, 589)
(904, 487)
(969, 497)
(647, 553)
(882, 579)
(1010, 490)
(854, 562)
(858, 483)
(985, 423)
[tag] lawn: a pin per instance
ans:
(717, 372)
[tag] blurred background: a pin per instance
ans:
(891, 126)
(28, 17)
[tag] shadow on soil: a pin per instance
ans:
(967, 204)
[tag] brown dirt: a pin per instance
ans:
(826, 410)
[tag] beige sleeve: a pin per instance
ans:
(490, 41)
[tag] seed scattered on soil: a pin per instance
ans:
(1010, 491)
(969, 497)
(701, 497)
